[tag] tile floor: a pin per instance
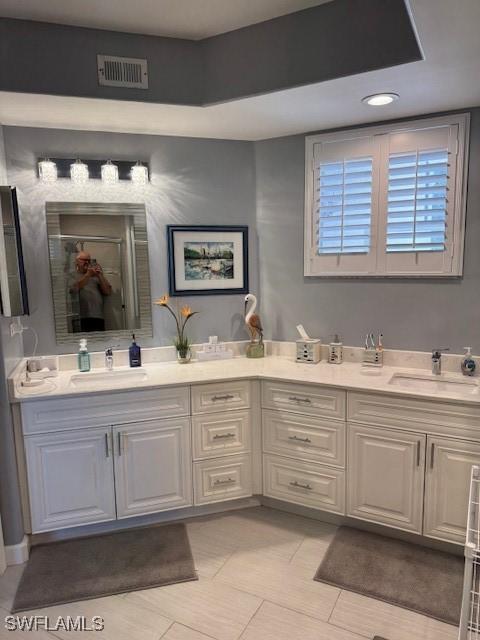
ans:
(256, 568)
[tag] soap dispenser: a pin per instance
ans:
(135, 354)
(468, 363)
(83, 356)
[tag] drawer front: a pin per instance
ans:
(297, 436)
(304, 483)
(306, 399)
(222, 479)
(431, 416)
(220, 396)
(106, 409)
(220, 434)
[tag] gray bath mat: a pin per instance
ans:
(104, 565)
(407, 575)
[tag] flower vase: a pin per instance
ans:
(184, 356)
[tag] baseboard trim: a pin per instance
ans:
(175, 515)
(338, 520)
(17, 553)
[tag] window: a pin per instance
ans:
(388, 200)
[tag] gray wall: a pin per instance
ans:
(412, 314)
(320, 43)
(11, 351)
(194, 181)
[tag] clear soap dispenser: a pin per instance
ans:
(468, 363)
(83, 356)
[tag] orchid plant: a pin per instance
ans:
(182, 342)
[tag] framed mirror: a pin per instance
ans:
(99, 270)
(13, 284)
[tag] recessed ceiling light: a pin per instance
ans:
(380, 99)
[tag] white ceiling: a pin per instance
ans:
(193, 19)
(448, 78)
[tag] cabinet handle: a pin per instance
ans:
(227, 396)
(297, 399)
(299, 485)
(107, 445)
(418, 453)
(227, 481)
(432, 456)
(221, 436)
(299, 439)
(119, 439)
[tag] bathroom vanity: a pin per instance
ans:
(321, 437)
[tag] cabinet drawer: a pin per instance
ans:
(306, 399)
(207, 398)
(220, 434)
(222, 479)
(105, 409)
(304, 483)
(431, 416)
(304, 437)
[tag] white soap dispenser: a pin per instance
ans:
(468, 363)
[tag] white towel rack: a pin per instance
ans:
(470, 616)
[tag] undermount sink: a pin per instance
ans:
(116, 376)
(435, 384)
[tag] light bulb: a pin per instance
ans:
(47, 170)
(109, 173)
(79, 172)
(380, 99)
(139, 174)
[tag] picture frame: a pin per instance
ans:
(207, 259)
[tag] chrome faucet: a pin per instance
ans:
(437, 360)
(109, 357)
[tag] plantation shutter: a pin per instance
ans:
(417, 196)
(387, 200)
(417, 201)
(344, 205)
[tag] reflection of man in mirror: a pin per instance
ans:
(91, 287)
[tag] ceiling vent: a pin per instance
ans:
(131, 73)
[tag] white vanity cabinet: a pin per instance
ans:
(386, 476)
(153, 468)
(449, 464)
(70, 477)
(97, 458)
(303, 429)
(222, 439)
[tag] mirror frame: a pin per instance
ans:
(53, 211)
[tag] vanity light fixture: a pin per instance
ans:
(109, 173)
(47, 170)
(139, 174)
(380, 99)
(79, 172)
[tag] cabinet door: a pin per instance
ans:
(449, 464)
(386, 476)
(70, 477)
(153, 466)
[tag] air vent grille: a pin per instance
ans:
(114, 71)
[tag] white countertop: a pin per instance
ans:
(351, 376)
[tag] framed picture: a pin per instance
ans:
(207, 260)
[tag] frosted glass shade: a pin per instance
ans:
(47, 170)
(79, 172)
(109, 173)
(139, 174)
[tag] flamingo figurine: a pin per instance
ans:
(254, 325)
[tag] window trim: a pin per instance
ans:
(311, 269)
